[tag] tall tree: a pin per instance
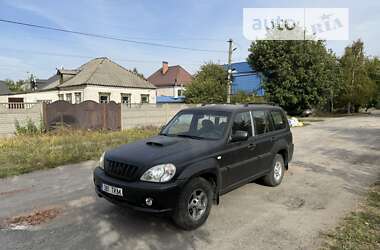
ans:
(208, 86)
(135, 71)
(15, 86)
(295, 73)
(373, 70)
(358, 86)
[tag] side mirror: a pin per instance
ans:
(239, 135)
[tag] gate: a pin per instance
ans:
(85, 115)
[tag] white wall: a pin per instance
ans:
(92, 93)
(149, 115)
(8, 117)
(33, 97)
(169, 91)
(87, 93)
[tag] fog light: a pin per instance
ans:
(149, 201)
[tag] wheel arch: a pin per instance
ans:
(207, 169)
(284, 153)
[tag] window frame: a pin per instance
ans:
(107, 94)
(141, 98)
(126, 95)
(76, 94)
(67, 95)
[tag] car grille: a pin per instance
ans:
(120, 170)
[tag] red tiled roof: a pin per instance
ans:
(176, 75)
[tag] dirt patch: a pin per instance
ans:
(35, 218)
(11, 192)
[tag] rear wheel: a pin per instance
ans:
(194, 204)
(274, 177)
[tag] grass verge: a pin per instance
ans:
(22, 154)
(361, 229)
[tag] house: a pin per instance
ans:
(171, 81)
(245, 79)
(100, 80)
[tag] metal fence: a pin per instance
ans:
(85, 115)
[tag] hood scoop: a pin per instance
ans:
(161, 142)
(153, 143)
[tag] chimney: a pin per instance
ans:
(165, 67)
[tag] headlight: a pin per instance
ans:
(159, 173)
(101, 161)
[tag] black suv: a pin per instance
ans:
(200, 154)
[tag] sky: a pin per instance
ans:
(197, 24)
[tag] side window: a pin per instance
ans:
(243, 122)
(262, 124)
(278, 120)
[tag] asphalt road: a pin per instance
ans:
(334, 163)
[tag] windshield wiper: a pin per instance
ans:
(190, 136)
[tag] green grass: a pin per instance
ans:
(23, 154)
(361, 229)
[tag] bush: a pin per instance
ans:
(30, 128)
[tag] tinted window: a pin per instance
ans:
(278, 120)
(262, 124)
(242, 122)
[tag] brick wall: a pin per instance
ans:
(9, 113)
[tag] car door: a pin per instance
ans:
(238, 157)
(263, 139)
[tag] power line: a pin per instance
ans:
(108, 37)
(87, 56)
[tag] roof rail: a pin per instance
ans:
(261, 103)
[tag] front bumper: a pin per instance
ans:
(164, 195)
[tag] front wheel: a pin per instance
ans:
(194, 204)
(275, 176)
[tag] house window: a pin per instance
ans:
(144, 98)
(69, 98)
(78, 97)
(126, 98)
(61, 97)
(180, 92)
(104, 97)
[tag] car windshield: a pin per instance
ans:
(196, 124)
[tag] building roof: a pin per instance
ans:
(4, 90)
(102, 71)
(49, 83)
(176, 75)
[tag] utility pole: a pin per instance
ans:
(229, 83)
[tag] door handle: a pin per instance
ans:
(252, 146)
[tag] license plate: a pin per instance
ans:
(112, 190)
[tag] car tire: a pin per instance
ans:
(194, 204)
(275, 176)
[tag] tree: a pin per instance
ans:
(296, 74)
(135, 71)
(373, 70)
(15, 86)
(359, 88)
(208, 86)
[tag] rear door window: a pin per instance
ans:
(278, 120)
(261, 121)
(243, 122)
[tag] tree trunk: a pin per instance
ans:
(349, 108)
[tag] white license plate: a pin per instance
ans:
(112, 190)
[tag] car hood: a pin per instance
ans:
(162, 149)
